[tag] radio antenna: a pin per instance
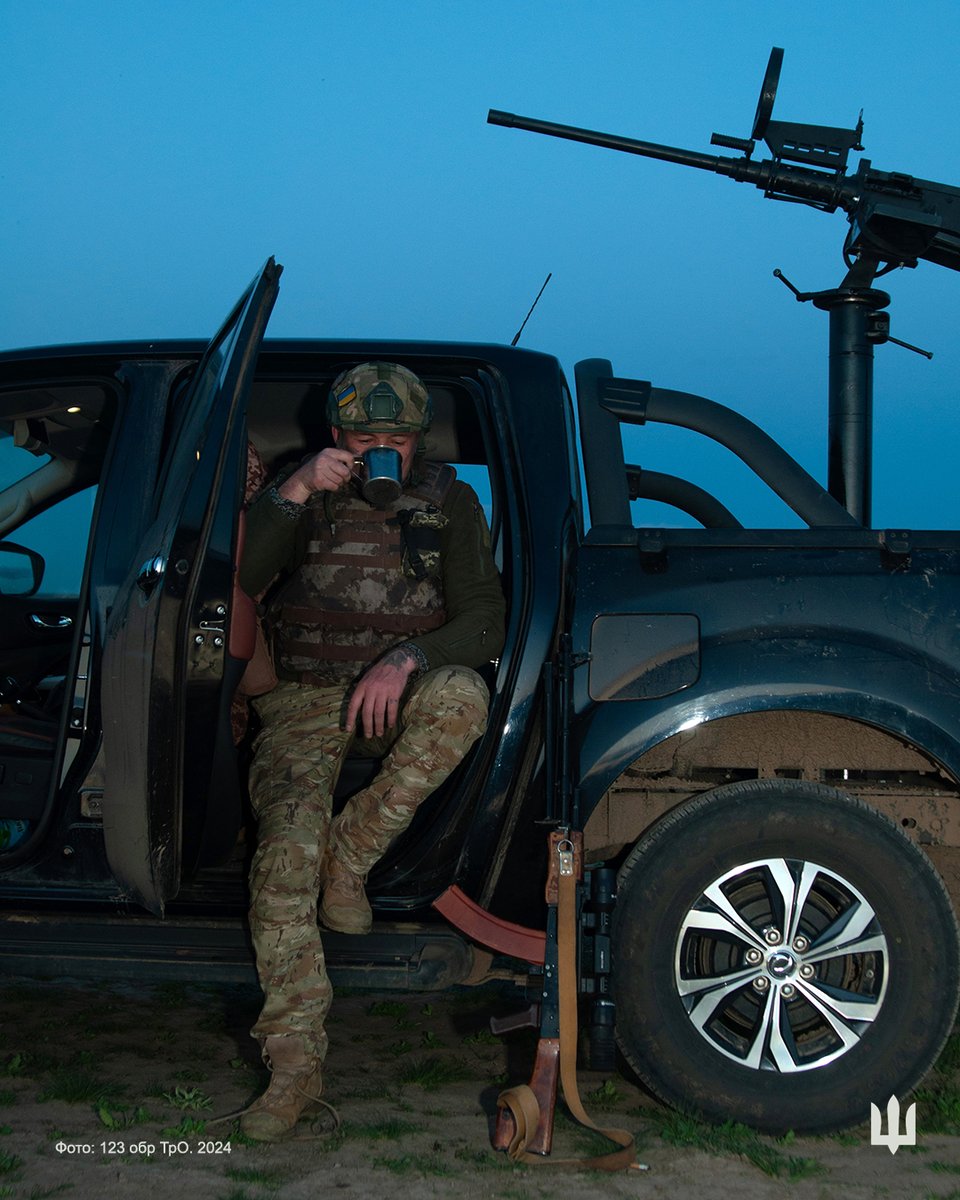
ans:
(516, 336)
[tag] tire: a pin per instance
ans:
(871, 955)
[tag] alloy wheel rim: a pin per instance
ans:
(781, 965)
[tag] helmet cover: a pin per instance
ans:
(380, 397)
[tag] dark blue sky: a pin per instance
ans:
(154, 154)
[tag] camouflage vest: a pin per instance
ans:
(371, 578)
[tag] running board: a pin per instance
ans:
(402, 957)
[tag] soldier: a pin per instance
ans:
(388, 607)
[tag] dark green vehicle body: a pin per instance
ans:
(645, 670)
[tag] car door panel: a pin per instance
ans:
(165, 648)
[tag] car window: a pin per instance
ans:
(59, 533)
(477, 476)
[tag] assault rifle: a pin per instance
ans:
(895, 220)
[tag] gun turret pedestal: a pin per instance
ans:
(855, 329)
(850, 390)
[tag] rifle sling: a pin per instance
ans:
(521, 1101)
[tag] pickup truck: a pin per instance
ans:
(756, 729)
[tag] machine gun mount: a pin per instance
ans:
(895, 220)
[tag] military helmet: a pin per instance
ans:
(379, 396)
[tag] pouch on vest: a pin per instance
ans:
(421, 534)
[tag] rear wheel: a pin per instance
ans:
(783, 956)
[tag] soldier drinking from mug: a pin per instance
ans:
(389, 605)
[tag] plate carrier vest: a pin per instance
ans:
(371, 578)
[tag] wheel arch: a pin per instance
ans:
(873, 761)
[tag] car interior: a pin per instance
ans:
(55, 438)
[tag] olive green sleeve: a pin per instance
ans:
(473, 598)
(273, 542)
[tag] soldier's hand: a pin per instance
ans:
(327, 471)
(376, 698)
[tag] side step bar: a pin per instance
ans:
(404, 957)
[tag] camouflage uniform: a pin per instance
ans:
(361, 581)
(298, 758)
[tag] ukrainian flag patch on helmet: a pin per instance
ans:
(381, 394)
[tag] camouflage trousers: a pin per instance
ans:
(297, 759)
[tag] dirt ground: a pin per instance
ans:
(120, 1091)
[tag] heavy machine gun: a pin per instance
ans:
(895, 220)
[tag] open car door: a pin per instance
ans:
(165, 652)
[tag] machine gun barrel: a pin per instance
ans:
(824, 189)
(612, 141)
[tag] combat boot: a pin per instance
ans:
(344, 907)
(294, 1089)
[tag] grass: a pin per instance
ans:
(271, 1181)
(187, 1126)
(391, 1129)
(482, 1037)
(189, 1074)
(9, 1163)
(188, 1099)
(417, 1164)
(397, 1049)
(410, 1032)
(388, 1008)
(483, 1160)
(606, 1096)
(112, 1117)
(582, 1141)
(938, 1101)
(767, 1154)
(74, 1085)
(434, 1072)
(14, 1065)
(938, 1108)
